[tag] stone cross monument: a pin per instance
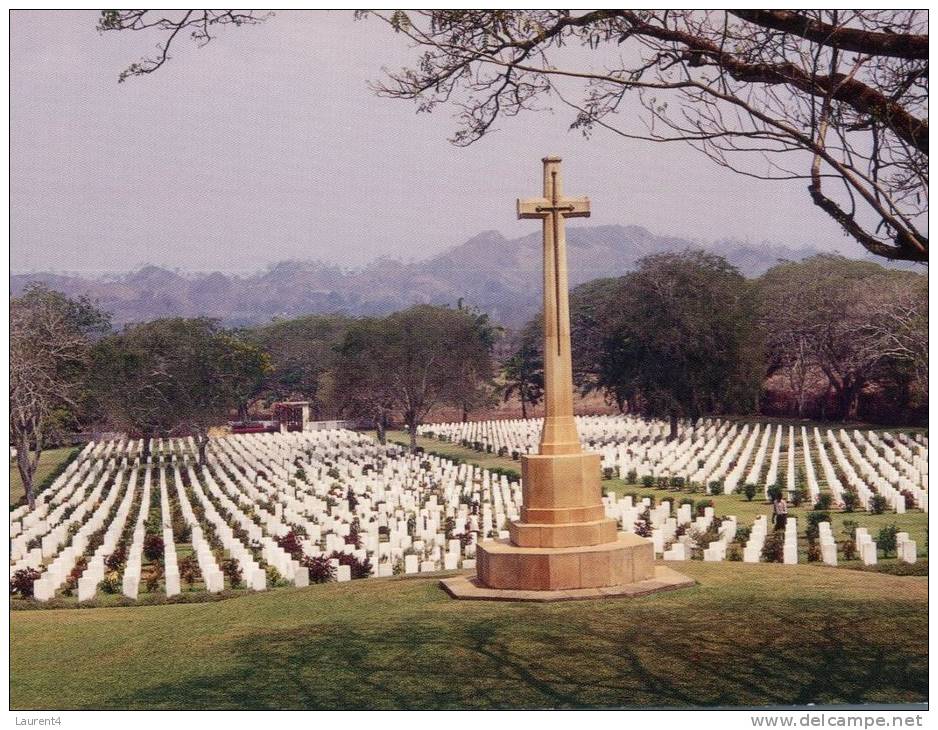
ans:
(563, 542)
(559, 435)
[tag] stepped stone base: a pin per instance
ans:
(627, 559)
(468, 587)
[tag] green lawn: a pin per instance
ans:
(447, 448)
(49, 463)
(745, 635)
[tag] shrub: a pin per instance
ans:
(886, 539)
(116, 559)
(188, 569)
(686, 500)
(714, 488)
(111, 582)
(151, 579)
(849, 549)
(677, 482)
(274, 579)
(877, 504)
(662, 482)
(360, 568)
(797, 497)
(750, 491)
(742, 534)
(775, 492)
(153, 547)
(300, 474)
(632, 476)
(71, 583)
(642, 528)
(648, 481)
(814, 552)
(909, 498)
(649, 497)
(608, 472)
(290, 544)
(232, 572)
(333, 473)
(701, 505)
(849, 528)
(734, 553)
(21, 584)
(354, 535)
(319, 569)
(814, 519)
(773, 551)
(851, 499)
(823, 502)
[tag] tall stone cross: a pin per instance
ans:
(559, 435)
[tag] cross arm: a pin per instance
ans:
(532, 207)
(575, 207)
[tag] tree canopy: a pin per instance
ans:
(412, 361)
(678, 337)
(50, 340)
(853, 321)
(836, 98)
(173, 376)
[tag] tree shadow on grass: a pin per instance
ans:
(532, 658)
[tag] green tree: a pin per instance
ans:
(854, 322)
(410, 361)
(172, 376)
(523, 370)
(681, 337)
(473, 382)
(50, 340)
(303, 359)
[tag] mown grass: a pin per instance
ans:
(451, 450)
(745, 635)
(51, 462)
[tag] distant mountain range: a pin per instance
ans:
(498, 275)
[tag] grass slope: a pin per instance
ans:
(746, 635)
(451, 450)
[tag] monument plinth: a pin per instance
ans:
(563, 546)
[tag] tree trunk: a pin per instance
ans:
(412, 428)
(465, 413)
(243, 411)
(380, 429)
(524, 409)
(673, 433)
(848, 397)
(146, 448)
(202, 443)
(27, 470)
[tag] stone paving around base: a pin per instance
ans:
(467, 587)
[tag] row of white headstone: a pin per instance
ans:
(714, 450)
(320, 484)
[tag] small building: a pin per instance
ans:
(292, 415)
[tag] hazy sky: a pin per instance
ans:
(267, 145)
